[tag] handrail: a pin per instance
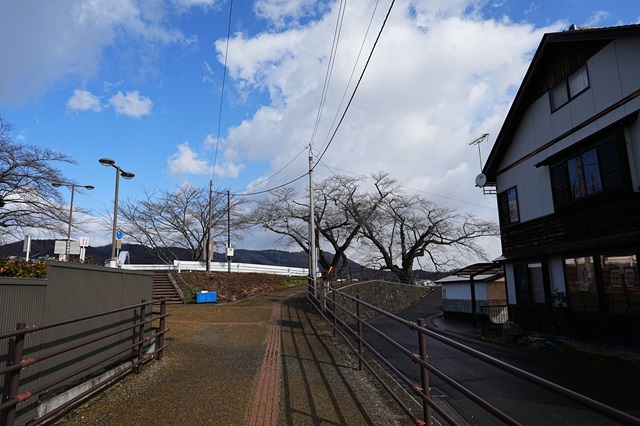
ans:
(143, 335)
(355, 339)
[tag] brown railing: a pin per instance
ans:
(143, 341)
(349, 323)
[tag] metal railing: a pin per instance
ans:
(338, 316)
(144, 342)
(184, 265)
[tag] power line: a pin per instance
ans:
(330, 64)
(358, 83)
(276, 173)
(336, 35)
(412, 189)
(271, 189)
(353, 70)
(224, 78)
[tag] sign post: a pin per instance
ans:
(84, 243)
(26, 247)
(119, 235)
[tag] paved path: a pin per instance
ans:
(264, 405)
(268, 360)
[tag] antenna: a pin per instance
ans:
(477, 142)
(481, 179)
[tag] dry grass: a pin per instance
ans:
(235, 286)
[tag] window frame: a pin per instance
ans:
(605, 293)
(534, 295)
(564, 88)
(611, 171)
(505, 211)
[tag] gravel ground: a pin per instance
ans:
(208, 372)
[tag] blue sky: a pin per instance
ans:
(140, 81)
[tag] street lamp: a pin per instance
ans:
(72, 186)
(119, 172)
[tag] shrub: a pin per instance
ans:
(20, 268)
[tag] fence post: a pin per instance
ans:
(141, 335)
(360, 345)
(14, 377)
(333, 310)
(424, 373)
(163, 311)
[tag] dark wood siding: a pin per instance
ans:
(606, 220)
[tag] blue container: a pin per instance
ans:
(206, 297)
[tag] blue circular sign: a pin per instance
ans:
(119, 234)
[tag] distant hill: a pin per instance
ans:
(140, 255)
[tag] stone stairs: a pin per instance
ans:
(163, 288)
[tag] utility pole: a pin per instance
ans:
(228, 233)
(207, 241)
(312, 231)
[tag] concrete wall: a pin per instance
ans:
(387, 296)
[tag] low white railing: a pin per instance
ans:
(184, 265)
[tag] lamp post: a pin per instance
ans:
(119, 172)
(72, 187)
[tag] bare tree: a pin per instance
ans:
(406, 228)
(28, 201)
(163, 220)
(288, 216)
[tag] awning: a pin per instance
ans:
(480, 269)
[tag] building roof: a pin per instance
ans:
(453, 279)
(558, 55)
(477, 271)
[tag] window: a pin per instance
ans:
(587, 173)
(568, 89)
(559, 96)
(620, 281)
(508, 207)
(578, 82)
(582, 289)
(529, 281)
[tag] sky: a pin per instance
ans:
(144, 82)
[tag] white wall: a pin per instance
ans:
(613, 73)
(556, 274)
(463, 291)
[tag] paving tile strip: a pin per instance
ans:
(264, 406)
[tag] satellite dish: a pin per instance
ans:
(481, 179)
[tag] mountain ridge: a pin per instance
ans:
(138, 254)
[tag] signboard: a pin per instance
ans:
(119, 234)
(61, 247)
(84, 242)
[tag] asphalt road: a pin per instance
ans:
(524, 402)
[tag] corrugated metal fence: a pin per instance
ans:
(68, 291)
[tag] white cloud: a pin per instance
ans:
(281, 11)
(597, 18)
(186, 161)
(131, 104)
(83, 100)
(191, 3)
(210, 141)
(440, 77)
(69, 37)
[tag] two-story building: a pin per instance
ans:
(566, 170)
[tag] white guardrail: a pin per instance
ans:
(184, 265)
